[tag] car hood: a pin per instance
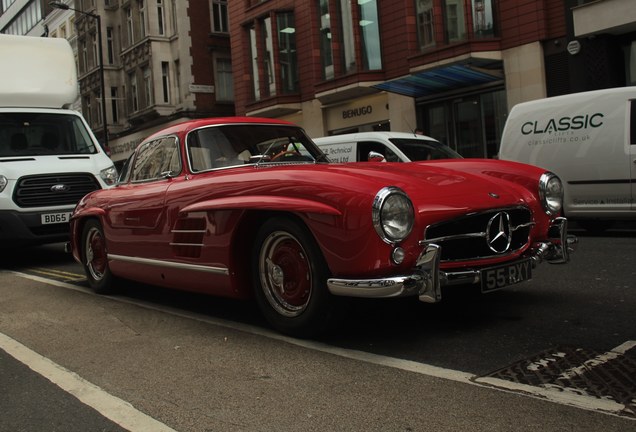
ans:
(460, 185)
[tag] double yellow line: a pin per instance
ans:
(59, 275)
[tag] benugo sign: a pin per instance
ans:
(360, 111)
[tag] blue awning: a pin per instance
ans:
(442, 79)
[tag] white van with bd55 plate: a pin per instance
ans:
(49, 158)
(589, 140)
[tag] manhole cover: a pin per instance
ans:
(603, 375)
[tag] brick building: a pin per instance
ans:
(450, 67)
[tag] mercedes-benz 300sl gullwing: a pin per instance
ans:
(251, 208)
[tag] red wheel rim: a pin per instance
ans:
(96, 259)
(285, 273)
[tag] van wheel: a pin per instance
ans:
(290, 279)
(95, 258)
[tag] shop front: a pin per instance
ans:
(463, 105)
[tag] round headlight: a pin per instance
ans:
(3, 182)
(392, 214)
(551, 193)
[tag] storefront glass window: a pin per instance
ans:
(471, 125)
(326, 51)
(425, 31)
(483, 19)
(495, 108)
(454, 22)
(287, 53)
(370, 34)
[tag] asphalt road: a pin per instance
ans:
(556, 353)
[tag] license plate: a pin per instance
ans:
(493, 278)
(54, 218)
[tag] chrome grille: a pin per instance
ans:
(47, 190)
(467, 237)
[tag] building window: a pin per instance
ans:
(130, 29)
(63, 31)
(224, 81)
(455, 24)
(134, 95)
(425, 30)
(357, 36)
(98, 107)
(25, 20)
(160, 18)
(165, 81)
(268, 59)
(219, 16)
(370, 35)
(148, 96)
(113, 104)
(273, 53)
(255, 75)
(287, 57)
(110, 45)
(84, 49)
(326, 50)
(141, 4)
(174, 17)
(177, 82)
(347, 42)
(95, 50)
(483, 18)
(88, 110)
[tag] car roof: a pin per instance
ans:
(371, 135)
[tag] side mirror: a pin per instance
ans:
(375, 157)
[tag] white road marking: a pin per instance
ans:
(556, 394)
(111, 407)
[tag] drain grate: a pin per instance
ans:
(603, 375)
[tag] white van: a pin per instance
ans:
(589, 140)
(383, 146)
(49, 158)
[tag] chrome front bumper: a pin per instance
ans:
(427, 279)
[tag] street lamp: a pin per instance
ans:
(64, 6)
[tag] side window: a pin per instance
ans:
(157, 159)
(364, 147)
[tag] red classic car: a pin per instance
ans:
(248, 207)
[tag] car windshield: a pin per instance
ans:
(231, 145)
(41, 134)
(420, 149)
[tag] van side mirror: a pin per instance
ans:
(375, 157)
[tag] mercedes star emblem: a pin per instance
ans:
(499, 233)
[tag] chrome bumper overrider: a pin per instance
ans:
(427, 279)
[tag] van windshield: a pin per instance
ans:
(421, 150)
(41, 134)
